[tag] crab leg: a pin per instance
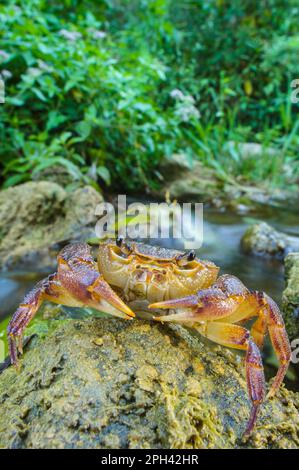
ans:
(259, 330)
(279, 340)
(77, 283)
(229, 301)
(49, 288)
(269, 319)
(237, 337)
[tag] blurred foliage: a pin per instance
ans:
(106, 89)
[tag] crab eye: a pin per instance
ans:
(191, 255)
(125, 249)
(185, 258)
(119, 241)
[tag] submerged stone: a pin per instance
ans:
(263, 240)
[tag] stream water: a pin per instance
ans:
(221, 244)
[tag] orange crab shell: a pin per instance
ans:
(152, 273)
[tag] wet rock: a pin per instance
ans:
(166, 389)
(36, 218)
(290, 297)
(263, 240)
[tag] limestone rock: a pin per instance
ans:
(189, 180)
(263, 240)
(37, 217)
(107, 383)
(290, 297)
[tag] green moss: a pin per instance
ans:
(290, 298)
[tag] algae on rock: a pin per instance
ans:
(290, 296)
(107, 383)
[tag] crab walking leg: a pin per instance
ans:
(279, 340)
(50, 289)
(259, 330)
(228, 300)
(269, 320)
(237, 337)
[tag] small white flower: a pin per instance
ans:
(3, 55)
(189, 99)
(70, 35)
(177, 94)
(34, 71)
(6, 74)
(44, 66)
(98, 34)
(187, 112)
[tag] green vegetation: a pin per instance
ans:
(105, 89)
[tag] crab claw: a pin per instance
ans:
(185, 305)
(109, 301)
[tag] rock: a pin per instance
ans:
(107, 383)
(248, 150)
(290, 297)
(36, 217)
(263, 240)
(189, 180)
(56, 174)
(185, 179)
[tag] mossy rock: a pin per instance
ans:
(186, 179)
(36, 218)
(263, 240)
(290, 297)
(107, 383)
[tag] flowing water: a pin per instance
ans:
(221, 244)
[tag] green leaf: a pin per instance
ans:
(104, 173)
(84, 129)
(15, 179)
(39, 94)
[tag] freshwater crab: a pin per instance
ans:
(143, 277)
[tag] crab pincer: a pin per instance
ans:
(77, 283)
